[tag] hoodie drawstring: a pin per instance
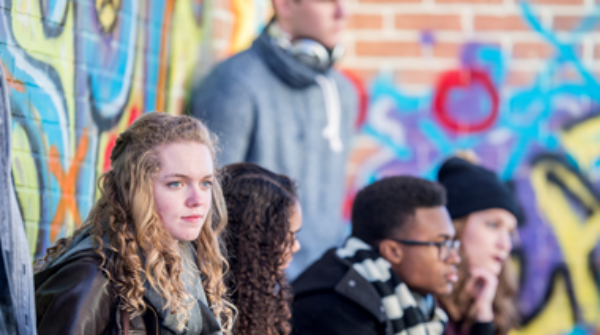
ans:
(333, 110)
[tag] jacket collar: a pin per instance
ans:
(292, 71)
(332, 272)
(354, 287)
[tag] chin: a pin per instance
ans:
(188, 237)
(444, 291)
(496, 269)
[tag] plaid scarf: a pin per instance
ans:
(400, 304)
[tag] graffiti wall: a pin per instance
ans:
(543, 138)
(81, 71)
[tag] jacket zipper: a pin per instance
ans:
(155, 318)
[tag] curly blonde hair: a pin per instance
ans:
(126, 215)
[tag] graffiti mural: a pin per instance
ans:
(80, 72)
(543, 139)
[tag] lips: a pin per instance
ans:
(194, 218)
(452, 277)
(499, 259)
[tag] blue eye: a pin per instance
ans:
(207, 183)
(175, 184)
(492, 224)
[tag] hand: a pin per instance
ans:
(482, 287)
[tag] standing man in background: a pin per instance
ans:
(281, 105)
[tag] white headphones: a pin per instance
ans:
(308, 51)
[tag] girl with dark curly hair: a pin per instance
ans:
(264, 216)
(148, 259)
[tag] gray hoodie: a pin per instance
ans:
(16, 278)
(270, 109)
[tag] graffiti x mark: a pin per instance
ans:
(67, 184)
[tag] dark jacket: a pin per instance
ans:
(331, 298)
(74, 297)
(479, 328)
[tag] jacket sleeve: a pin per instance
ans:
(74, 300)
(330, 314)
(227, 108)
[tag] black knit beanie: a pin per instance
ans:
(471, 188)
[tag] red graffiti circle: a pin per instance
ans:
(460, 79)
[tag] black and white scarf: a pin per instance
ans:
(399, 302)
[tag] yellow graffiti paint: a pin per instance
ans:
(107, 13)
(244, 29)
(583, 142)
(555, 318)
(185, 55)
(58, 52)
(576, 239)
(25, 178)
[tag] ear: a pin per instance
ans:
(391, 251)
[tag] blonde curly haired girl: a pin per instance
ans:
(149, 256)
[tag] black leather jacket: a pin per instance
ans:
(74, 298)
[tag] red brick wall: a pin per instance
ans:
(386, 36)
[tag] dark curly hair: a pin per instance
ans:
(259, 205)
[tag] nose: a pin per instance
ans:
(297, 246)
(195, 197)
(341, 9)
(505, 242)
(454, 257)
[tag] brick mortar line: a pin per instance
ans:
(219, 13)
(403, 63)
(422, 64)
(588, 51)
(468, 21)
(451, 37)
(477, 8)
(389, 23)
(462, 38)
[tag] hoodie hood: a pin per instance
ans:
(292, 71)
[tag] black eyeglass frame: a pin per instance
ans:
(450, 244)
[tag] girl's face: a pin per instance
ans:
(295, 226)
(487, 238)
(183, 188)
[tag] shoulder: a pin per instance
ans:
(324, 274)
(328, 312)
(345, 84)
(332, 283)
(238, 67)
(80, 271)
(75, 292)
(318, 288)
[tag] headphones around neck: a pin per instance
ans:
(307, 51)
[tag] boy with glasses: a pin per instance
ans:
(401, 253)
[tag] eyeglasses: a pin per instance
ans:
(444, 248)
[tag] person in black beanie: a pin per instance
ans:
(484, 213)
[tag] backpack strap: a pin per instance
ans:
(125, 320)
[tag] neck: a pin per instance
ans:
(419, 293)
(285, 28)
